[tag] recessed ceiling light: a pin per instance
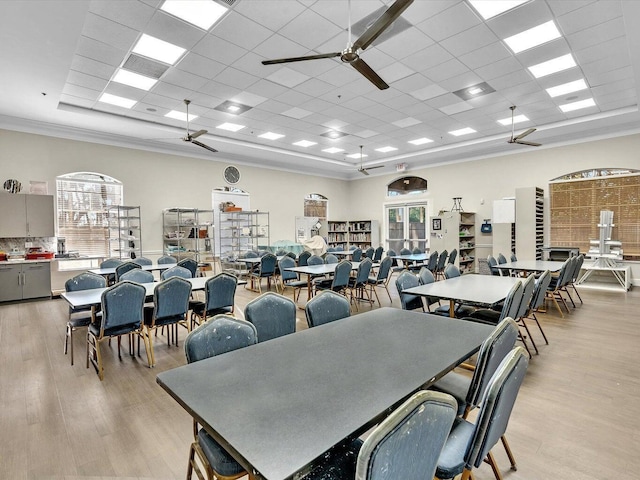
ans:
(462, 131)
(271, 136)
(567, 88)
(552, 66)
(490, 8)
(516, 119)
(304, 143)
(157, 49)
(420, 141)
(533, 37)
(200, 13)
(357, 155)
(386, 149)
(176, 114)
(234, 108)
(232, 127)
(116, 100)
(333, 150)
(134, 80)
(474, 91)
(333, 134)
(570, 107)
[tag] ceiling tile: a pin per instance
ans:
(199, 65)
(469, 40)
(109, 32)
(448, 22)
(241, 31)
(560, 7)
(526, 16)
(215, 48)
(446, 70)
(456, 108)
(498, 69)
(597, 34)
(428, 92)
(88, 81)
(100, 52)
(236, 78)
(287, 77)
(172, 30)
(485, 55)
(395, 72)
(589, 16)
(134, 15)
(92, 67)
(275, 13)
(184, 79)
(310, 30)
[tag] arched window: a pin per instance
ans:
(407, 186)
(82, 202)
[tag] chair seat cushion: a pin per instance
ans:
(94, 328)
(338, 464)
(296, 283)
(487, 315)
(78, 321)
(460, 310)
(218, 457)
(198, 309)
(451, 461)
(456, 385)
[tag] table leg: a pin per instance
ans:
(452, 308)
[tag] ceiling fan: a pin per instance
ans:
(351, 54)
(191, 137)
(365, 171)
(518, 138)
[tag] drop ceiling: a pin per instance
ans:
(59, 57)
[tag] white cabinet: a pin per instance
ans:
(456, 230)
(26, 216)
(20, 281)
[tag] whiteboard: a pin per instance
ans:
(504, 211)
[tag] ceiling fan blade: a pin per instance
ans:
(381, 24)
(301, 59)
(196, 134)
(200, 144)
(361, 66)
(524, 134)
(375, 166)
(363, 171)
(523, 142)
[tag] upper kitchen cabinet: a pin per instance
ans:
(26, 216)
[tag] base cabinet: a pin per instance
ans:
(22, 281)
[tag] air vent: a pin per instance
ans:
(231, 3)
(145, 66)
(399, 25)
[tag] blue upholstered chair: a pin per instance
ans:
(121, 314)
(219, 298)
(290, 279)
(558, 283)
(452, 256)
(357, 285)
(190, 264)
(417, 251)
(537, 300)
(579, 260)
(220, 335)
(513, 257)
(167, 259)
(440, 266)
(397, 265)
(175, 272)
(461, 311)
(142, 261)
(405, 281)
(272, 314)
(124, 268)
(369, 252)
(470, 444)
(137, 275)
(111, 263)
(266, 269)
(340, 280)
(528, 287)
(170, 307)
(425, 277)
(405, 251)
(381, 279)
(280, 252)
(326, 307)
(80, 316)
(331, 258)
(405, 445)
(492, 262)
(432, 263)
(356, 254)
(377, 255)
(291, 255)
(303, 258)
(502, 260)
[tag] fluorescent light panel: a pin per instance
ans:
(271, 136)
(462, 131)
(516, 119)
(117, 101)
(157, 49)
(180, 115)
(357, 155)
(200, 13)
(567, 88)
(570, 107)
(134, 79)
(386, 149)
(333, 150)
(420, 141)
(232, 127)
(553, 66)
(490, 8)
(304, 143)
(533, 37)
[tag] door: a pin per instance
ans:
(10, 282)
(36, 280)
(406, 226)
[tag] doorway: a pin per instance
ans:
(407, 226)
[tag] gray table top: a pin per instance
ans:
(278, 405)
(321, 269)
(149, 268)
(532, 265)
(414, 257)
(479, 289)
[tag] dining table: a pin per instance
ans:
(312, 271)
(106, 271)
(531, 266)
(471, 289)
(278, 406)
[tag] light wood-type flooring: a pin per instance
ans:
(575, 416)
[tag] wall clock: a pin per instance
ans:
(232, 175)
(12, 186)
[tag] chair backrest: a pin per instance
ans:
(377, 255)
(405, 251)
(176, 271)
(111, 263)
(451, 271)
(331, 258)
(501, 259)
(124, 268)
(425, 277)
(171, 299)
(407, 444)
(143, 261)
(384, 269)
(341, 275)
(291, 255)
(190, 264)
(219, 335)
(491, 353)
(572, 274)
(331, 249)
(303, 258)
(564, 273)
(352, 247)
(542, 283)
(280, 252)
(272, 314)
(491, 261)
(442, 259)
(432, 263)
(284, 263)
(251, 254)
(122, 308)
(356, 255)
(268, 264)
(513, 257)
(406, 280)
(315, 260)
(369, 252)
(137, 275)
(528, 287)
(364, 269)
(512, 302)
(576, 272)
(326, 307)
(452, 256)
(165, 259)
(497, 404)
(392, 253)
(85, 281)
(220, 291)
(417, 251)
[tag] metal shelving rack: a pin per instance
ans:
(241, 232)
(188, 233)
(124, 232)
